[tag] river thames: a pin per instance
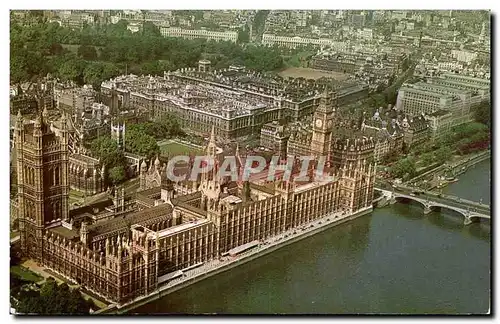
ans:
(395, 260)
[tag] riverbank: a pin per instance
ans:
(215, 267)
(457, 168)
(394, 261)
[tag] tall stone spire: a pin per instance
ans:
(212, 135)
(211, 147)
(19, 120)
(324, 104)
(39, 120)
(45, 112)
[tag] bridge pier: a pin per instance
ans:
(427, 210)
(467, 221)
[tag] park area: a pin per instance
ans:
(25, 274)
(308, 73)
(171, 148)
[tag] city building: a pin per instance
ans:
(43, 183)
(75, 100)
(134, 27)
(198, 106)
(274, 137)
(126, 247)
(294, 41)
(440, 123)
(387, 133)
(230, 36)
(455, 93)
(86, 174)
(340, 141)
(464, 56)
(415, 129)
(295, 97)
(366, 34)
(236, 101)
(25, 97)
(372, 67)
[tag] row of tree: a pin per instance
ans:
(50, 299)
(140, 139)
(106, 51)
(463, 139)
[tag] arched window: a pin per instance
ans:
(56, 210)
(57, 171)
(32, 176)
(25, 175)
(50, 177)
(29, 210)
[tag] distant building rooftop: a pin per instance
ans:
(440, 113)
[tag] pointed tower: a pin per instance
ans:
(323, 125)
(142, 176)
(42, 164)
(210, 182)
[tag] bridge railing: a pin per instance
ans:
(457, 204)
(442, 196)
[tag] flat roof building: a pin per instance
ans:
(230, 36)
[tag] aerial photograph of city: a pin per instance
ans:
(250, 162)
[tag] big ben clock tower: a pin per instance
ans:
(323, 125)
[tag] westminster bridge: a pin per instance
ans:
(432, 201)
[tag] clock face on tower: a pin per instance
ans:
(319, 123)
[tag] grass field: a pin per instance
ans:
(25, 273)
(74, 48)
(171, 149)
(296, 59)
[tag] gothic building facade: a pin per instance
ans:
(127, 247)
(43, 187)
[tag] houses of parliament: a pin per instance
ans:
(120, 248)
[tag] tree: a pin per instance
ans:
(427, 159)
(243, 35)
(117, 175)
(71, 69)
(52, 299)
(106, 149)
(35, 50)
(443, 154)
(482, 113)
(171, 125)
(140, 143)
(404, 168)
(56, 49)
(87, 52)
(92, 74)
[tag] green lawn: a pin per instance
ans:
(171, 149)
(295, 60)
(25, 273)
(74, 48)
